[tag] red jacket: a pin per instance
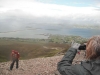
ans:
(15, 54)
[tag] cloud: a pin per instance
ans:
(96, 3)
(18, 14)
(42, 9)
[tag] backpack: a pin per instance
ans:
(15, 54)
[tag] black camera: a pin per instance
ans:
(82, 47)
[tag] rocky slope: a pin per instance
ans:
(37, 66)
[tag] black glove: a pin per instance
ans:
(82, 47)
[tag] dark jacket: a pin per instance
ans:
(65, 66)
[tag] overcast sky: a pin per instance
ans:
(24, 14)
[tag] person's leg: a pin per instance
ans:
(17, 63)
(12, 64)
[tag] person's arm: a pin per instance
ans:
(65, 65)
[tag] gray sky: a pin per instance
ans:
(18, 15)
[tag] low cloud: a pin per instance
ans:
(24, 14)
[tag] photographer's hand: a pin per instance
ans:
(75, 45)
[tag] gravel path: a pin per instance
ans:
(37, 66)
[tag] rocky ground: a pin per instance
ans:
(37, 66)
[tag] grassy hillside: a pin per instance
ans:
(28, 49)
(34, 48)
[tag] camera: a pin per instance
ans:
(82, 47)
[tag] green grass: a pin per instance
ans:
(32, 48)
(2, 59)
(28, 50)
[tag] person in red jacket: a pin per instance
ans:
(15, 58)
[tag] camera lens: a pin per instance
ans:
(82, 47)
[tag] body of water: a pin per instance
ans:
(43, 33)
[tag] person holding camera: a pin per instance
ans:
(89, 67)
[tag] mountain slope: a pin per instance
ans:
(37, 66)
